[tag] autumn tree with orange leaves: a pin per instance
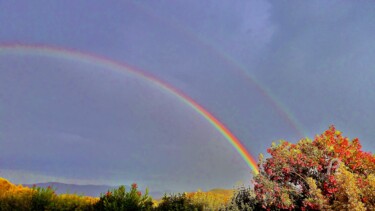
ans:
(330, 172)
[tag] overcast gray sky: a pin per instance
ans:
(268, 70)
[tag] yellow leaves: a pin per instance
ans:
(5, 184)
(261, 158)
(315, 196)
(74, 197)
(285, 199)
(212, 200)
(368, 192)
(7, 188)
(354, 192)
(295, 151)
(348, 196)
(21, 197)
(331, 148)
(65, 201)
(14, 196)
(337, 132)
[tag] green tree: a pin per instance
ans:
(119, 199)
(179, 202)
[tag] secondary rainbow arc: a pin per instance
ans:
(279, 107)
(123, 67)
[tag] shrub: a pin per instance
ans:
(178, 202)
(119, 199)
(42, 198)
(14, 197)
(211, 200)
(21, 198)
(243, 199)
(74, 202)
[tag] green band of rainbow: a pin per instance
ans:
(122, 67)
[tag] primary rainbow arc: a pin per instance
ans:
(122, 67)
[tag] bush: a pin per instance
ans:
(211, 200)
(42, 198)
(14, 197)
(179, 202)
(119, 199)
(21, 198)
(243, 199)
(74, 202)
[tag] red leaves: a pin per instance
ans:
(269, 171)
(330, 186)
(364, 199)
(285, 172)
(348, 152)
(134, 186)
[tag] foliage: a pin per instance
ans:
(119, 199)
(14, 197)
(243, 200)
(348, 196)
(178, 202)
(42, 198)
(74, 202)
(211, 200)
(329, 172)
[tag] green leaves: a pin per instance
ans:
(42, 198)
(120, 199)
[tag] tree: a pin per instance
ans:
(120, 199)
(329, 172)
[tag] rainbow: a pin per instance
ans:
(279, 107)
(70, 54)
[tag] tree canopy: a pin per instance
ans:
(329, 172)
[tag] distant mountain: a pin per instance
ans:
(87, 190)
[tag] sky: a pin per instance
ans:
(268, 70)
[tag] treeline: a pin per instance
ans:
(18, 197)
